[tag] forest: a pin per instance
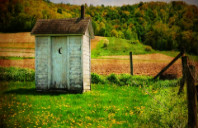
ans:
(163, 26)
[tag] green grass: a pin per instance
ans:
(16, 74)
(117, 46)
(106, 105)
(114, 101)
(15, 58)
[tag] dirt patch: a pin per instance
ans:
(26, 63)
(117, 66)
(157, 57)
(108, 66)
(17, 50)
(17, 54)
(20, 37)
(29, 45)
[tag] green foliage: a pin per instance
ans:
(59, 10)
(96, 79)
(113, 79)
(163, 26)
(16, 74)
(148, 48)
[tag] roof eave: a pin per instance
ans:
(57, 34)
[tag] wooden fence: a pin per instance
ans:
(189, 76)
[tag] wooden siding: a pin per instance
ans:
(69, 70)
(86, 62)
(75, 68)
(41, 62)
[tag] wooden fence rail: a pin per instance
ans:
(172, 62)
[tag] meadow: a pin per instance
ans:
(114, 101)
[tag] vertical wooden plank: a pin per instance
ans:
(90, 62)
(68, 64)
(64, 61)
(82, 59)
(131, 63)
(36, 41)
(192, 98)
(49, 61)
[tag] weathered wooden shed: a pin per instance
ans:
(62, 53)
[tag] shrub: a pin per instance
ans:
(95, 79)
(148, 48)
(113, 79)
(17, 74)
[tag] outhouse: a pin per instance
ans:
(62, 53)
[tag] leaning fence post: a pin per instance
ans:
(173, 61)
(184, 66)
(131, 63)
(192, 97)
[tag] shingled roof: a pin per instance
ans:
(63, 26)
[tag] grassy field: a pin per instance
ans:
(115, 46)
(111, 46)
(114, 101)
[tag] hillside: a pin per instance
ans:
(164, 26)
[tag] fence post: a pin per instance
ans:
(192, 97)
(184, 66)
(131, 63)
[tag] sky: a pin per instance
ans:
(116, 2)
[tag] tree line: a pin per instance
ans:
(163, 26)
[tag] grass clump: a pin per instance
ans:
(16, 74)
(113, 79)
(96, 79)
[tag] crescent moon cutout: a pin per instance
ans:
(59, 50)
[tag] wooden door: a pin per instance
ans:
(59, 62)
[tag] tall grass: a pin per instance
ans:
(16, 74)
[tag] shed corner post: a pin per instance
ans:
(35, 61)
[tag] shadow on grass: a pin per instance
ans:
(33, 91)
